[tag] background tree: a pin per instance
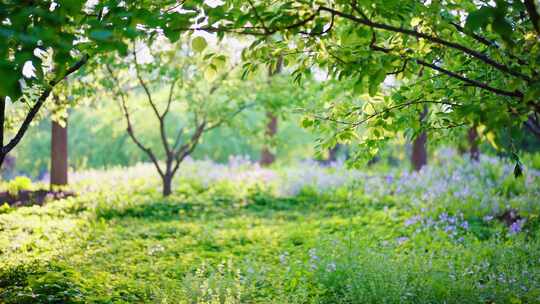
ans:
(479, 60)
(267, 157)
(46, 41)
(59, 147)
(204, 96)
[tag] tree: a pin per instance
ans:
(472, 136)
(419, 150)
(267, 157)
(59, 150)
(478, 59)
(204, 96)
(46, 41)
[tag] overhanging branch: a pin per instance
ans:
(39, 103)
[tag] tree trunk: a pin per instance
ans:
(419, 152)
(332, 153)
(267, 157)
(59, 155)
(167, 185)
(2, 118)
(473, 143)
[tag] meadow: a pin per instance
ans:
(455, 232)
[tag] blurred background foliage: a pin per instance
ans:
(97, 139)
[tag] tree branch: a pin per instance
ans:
(257, 16)
(160, 117)
(472, 82)
(39, 103)
(486, 42)
(533, 125)
(169, 99)
(2, 119)
(437, 40)
(188, 147)
(533, 14)
(130, 130)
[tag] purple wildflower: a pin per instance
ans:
(402, 240)
(413, 220)
(516, 226)
(488, 218)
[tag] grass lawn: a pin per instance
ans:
(364, 241)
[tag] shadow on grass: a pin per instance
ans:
(261, 205)
(38, 283)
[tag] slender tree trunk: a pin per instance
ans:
(2, 119)
(267, 157)
(332, 153)
(419, 152)
(59, 155)
(167, 185)
(473, 143)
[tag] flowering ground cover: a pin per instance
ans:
(456, 232)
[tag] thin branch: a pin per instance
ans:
(430, 38)
(188, 147)
(469, 81)
(533, 125)
(401, 70)
(231, 116)
(486, 42)
(400, 106)
(39, 103)
(333, 16)
(160, 117)
(178, 138)
(130, 130)
(2, 119)
(169, 99)
(473, 82)
(384, 111)
(533, 14)
(257, 16)
(355, 7)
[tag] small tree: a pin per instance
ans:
(267, 157)
(202, 94)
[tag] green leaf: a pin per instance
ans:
(503, 28)
(306, 123)
(480, 18)
(198, 44)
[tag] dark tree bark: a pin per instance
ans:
(419, 152)
(474, 151)
(5, 149)
(2, 120)
(533, 125)
(167, 185)
(59, 155)
(267, 157)
(332, 153)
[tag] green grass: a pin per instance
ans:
(228, 244)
